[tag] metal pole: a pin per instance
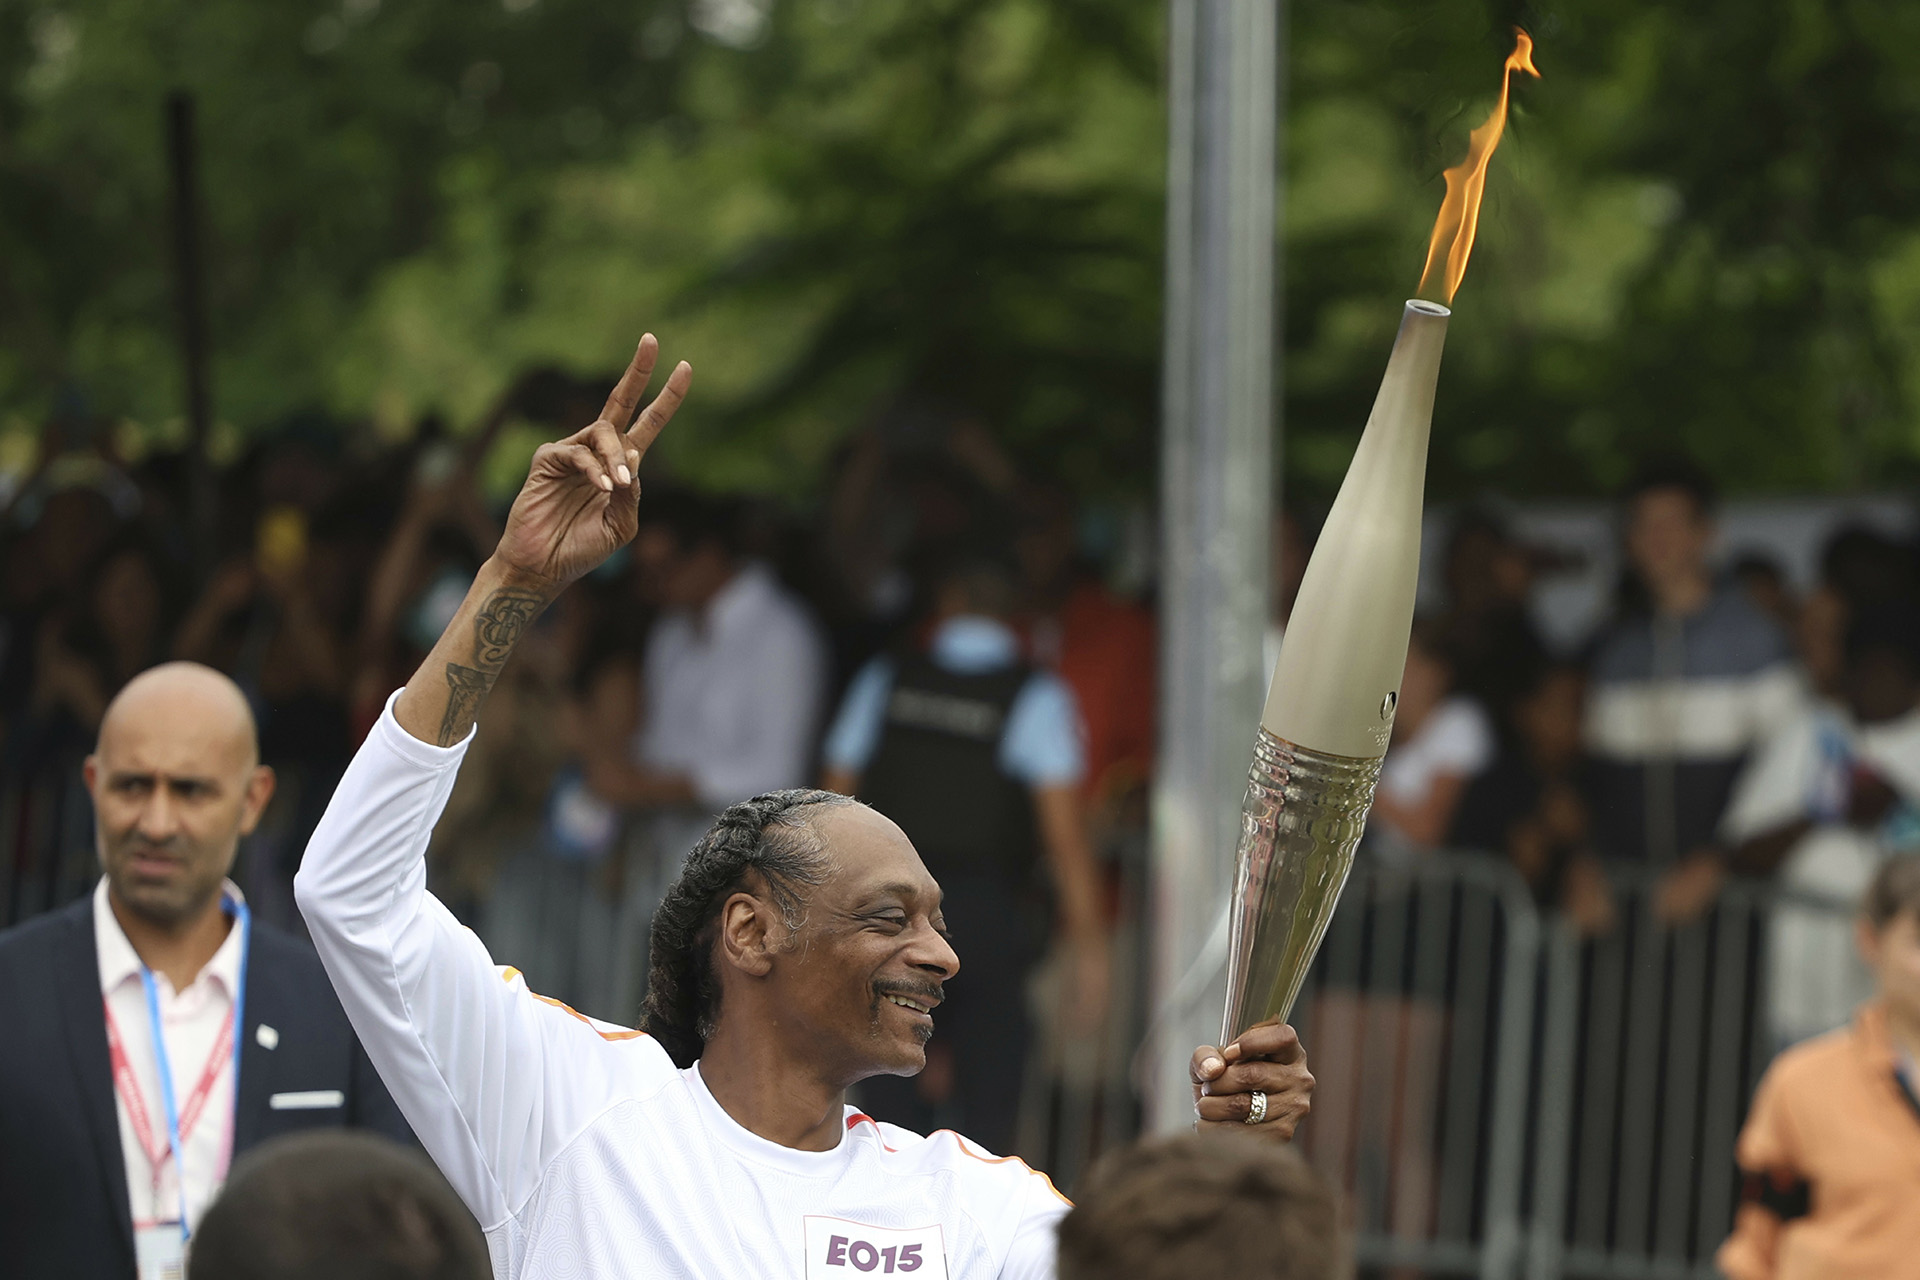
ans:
(183, 164)
(1216, 500)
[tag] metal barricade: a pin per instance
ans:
(1664, 1048)
(1419, 1020)
(1499, 1098)
(1655, 1039)
(1496, 1097)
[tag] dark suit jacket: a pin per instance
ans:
(63, 1179)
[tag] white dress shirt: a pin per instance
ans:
(733, 694)
(580, 1147)
(191, 1021)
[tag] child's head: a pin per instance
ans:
(1889, 933)
(1882, 674)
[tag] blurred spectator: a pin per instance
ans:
(338, 1206)
(1530, 803)
(276, 620)
(1441, 740)
(1487, 627)
(105, 1163)
(906, 495)
(1684, 684)
(1204, 1205)
(1859, 568)
(71, 636)
(118, 629)
(732, 682)
(1831, 1151)
(554, 907)
(66, 533)
(71, 512)
(1101, 644)
(434, 549)
(1759, 575)
(1825, 800)
(869, 524)
(980, 760)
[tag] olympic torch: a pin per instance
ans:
(1330, 708)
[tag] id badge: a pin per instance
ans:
(838, 1249)
(160, 1252)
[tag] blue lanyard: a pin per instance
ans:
(238, 909)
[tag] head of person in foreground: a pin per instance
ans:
(807, 915)
(338, 1204)
(1888, 934)
(1204, 1205)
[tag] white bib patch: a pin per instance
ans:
(838, 1249)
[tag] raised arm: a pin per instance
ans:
(579, 505)
(493, 1080)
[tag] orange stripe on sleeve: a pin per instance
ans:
(604, 1035)
(960, 1142)
(509, 973)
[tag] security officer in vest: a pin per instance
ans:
(979, 758)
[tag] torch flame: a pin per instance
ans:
(1453, 230)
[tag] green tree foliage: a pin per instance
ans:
(1700, 234)
(338, 141)
(1701, 229)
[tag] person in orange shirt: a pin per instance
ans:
(1831, 1150)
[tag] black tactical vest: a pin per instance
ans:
(936, 771)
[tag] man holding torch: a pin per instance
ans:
(802, 950)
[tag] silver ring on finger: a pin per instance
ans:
(1257, 1108)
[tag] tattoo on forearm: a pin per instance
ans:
(496, 628)
(466, 687)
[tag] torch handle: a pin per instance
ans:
(1301, 821)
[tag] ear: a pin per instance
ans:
(253, 802)
(746, 929)
(90, 771)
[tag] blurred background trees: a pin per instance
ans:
(1704, 226)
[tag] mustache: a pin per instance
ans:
(931, 993)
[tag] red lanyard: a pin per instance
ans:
(155, 1146)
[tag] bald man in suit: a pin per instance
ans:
(102, 1176)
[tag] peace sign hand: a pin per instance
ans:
(581, 500)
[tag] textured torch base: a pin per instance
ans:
(1299, 826)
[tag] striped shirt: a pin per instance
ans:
(1675, 705)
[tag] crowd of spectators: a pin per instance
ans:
(1715, 725)
(703, 665)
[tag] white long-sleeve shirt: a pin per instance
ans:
(578, 1145)
(733, 694)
